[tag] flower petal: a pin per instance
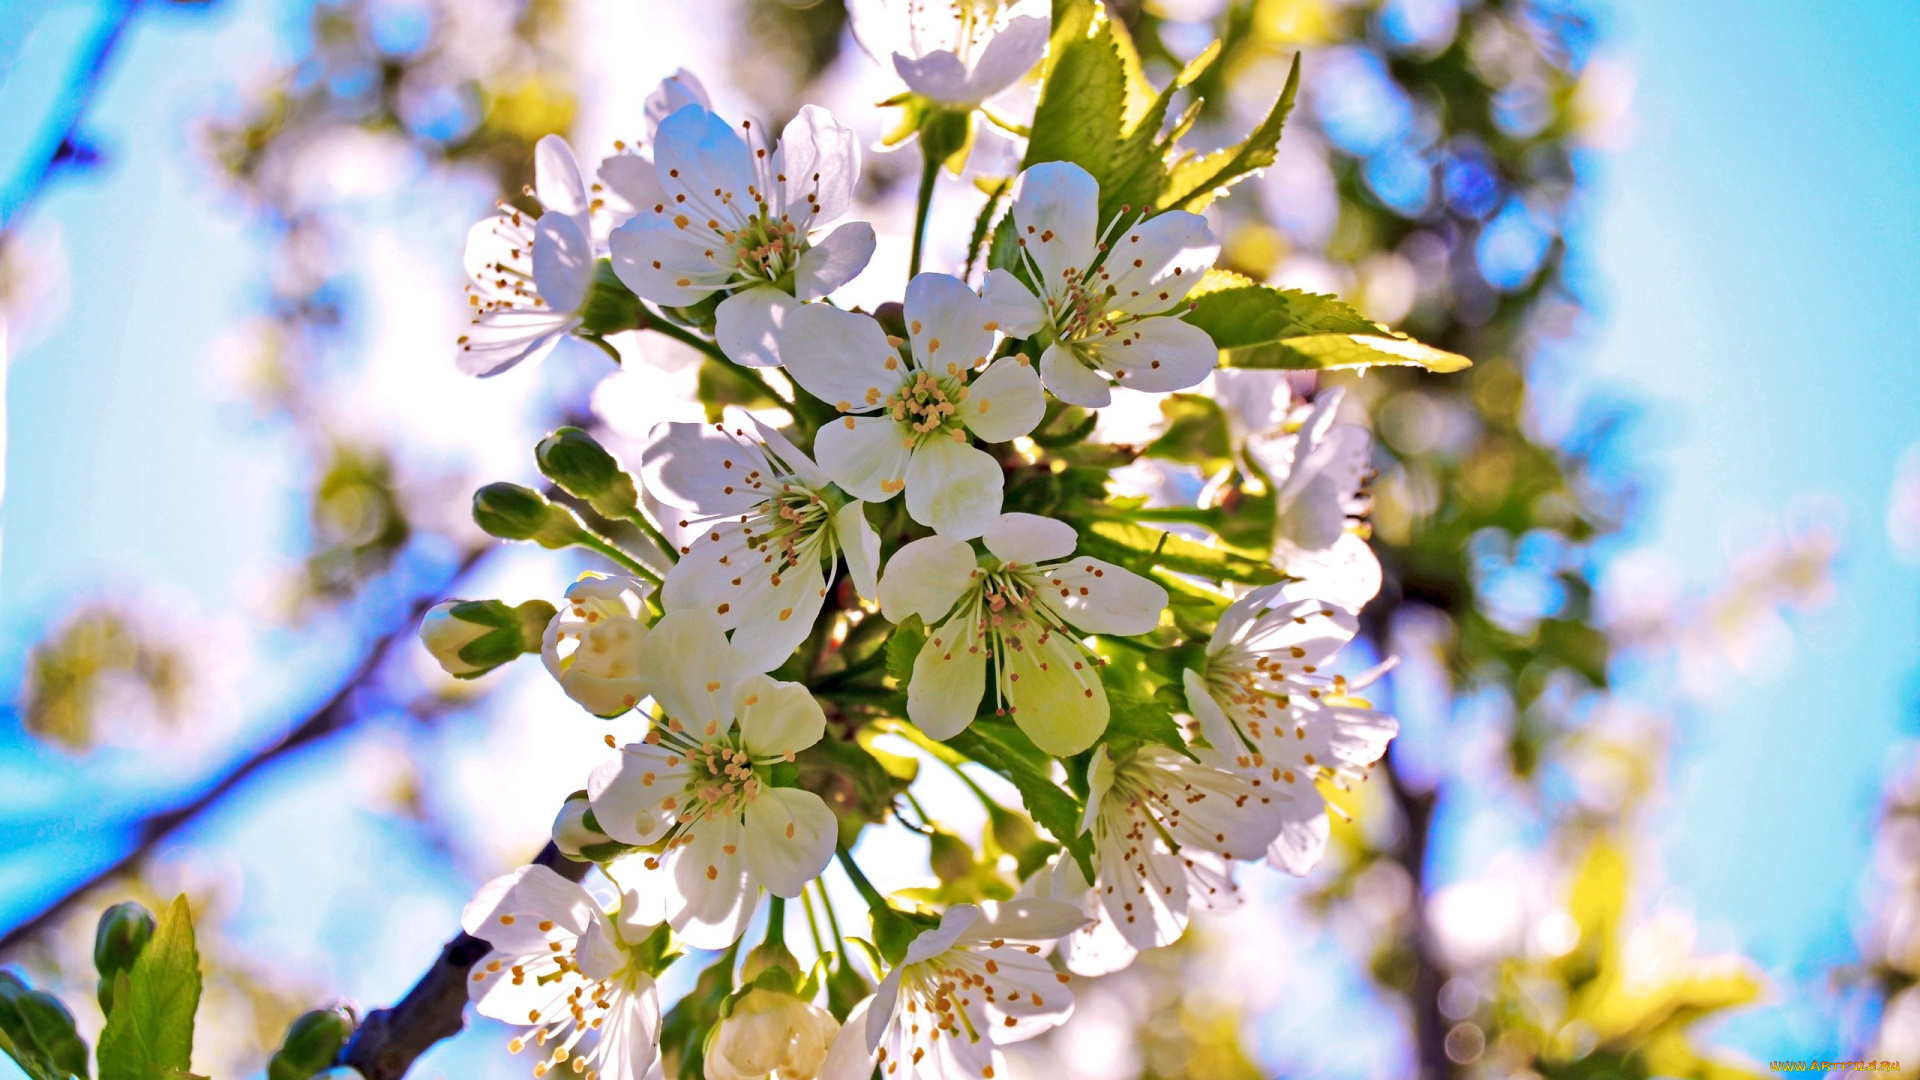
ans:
(1030, 538)
(925, 578)
(1055, 217)
(838, 356)
(867, 455)
(631, 184)
(949, 678)
(848, 1058)
(562, 262)
(1347, 574)
(627, 791)
(1054, 692)
(947, 324)
(1214, 724)
(690, 668)
(861, 547)
(1009, 55)
(1141, 884)
(1072, 381)
(1101, 598)
(557, 182)
(701, 157)
(940, 76)
(704, 468)
(1303, 835)
(1028, 998)
(835, 260)
(1156, 354)
(1222, 810)
(675, 92)
(525, 897)
(1005, 402)
(713, 890)
(1032, 919)
(821, 159)
(746, 325)
(1013, 305)
(500, 340)
(953, 487)
(1159, 261)
(790, 836)
(778, 607)
(777, 717)
(669, 258)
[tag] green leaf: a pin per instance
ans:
(1083, 101)
(1139, 169)
(1196, 432)
(1257, 326)
(149, 1033)
(903, 648)
(1146, 720)
(37, 1032)
(1130, 544)
(1194, 182)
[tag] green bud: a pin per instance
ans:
(123, 932)
(512, 512)
(581, 467)
(575, 831)
(946, 137)
(951, 857)
(771, 956)
(472, 637)
(40, 1031)
(845, 989)
(313, 1041)
(611, 307)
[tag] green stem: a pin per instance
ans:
(813, 922)
(875, 902)
(653, 533)
(929, 172)
(776, 921)
(659, 325)
(620, 558)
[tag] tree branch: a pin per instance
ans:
(1429, 1026)
(336, 714)
(389, 1041)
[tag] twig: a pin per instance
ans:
(336, 714)
(71, 111)
(389, 1041)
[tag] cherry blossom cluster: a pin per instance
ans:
(983, 618)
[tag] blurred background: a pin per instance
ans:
(1653, 563)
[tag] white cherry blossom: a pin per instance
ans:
(593, 644)
(1024, 609)
(1165, 831)
(738, 218)
(910, 413)
(975, 982)
(699, 783)
(769, 528)
(530, 275)
(1109, 299)
(1266, 703)
(955, 52)
(629, 183)
(1319, 468)
(771, 1035)
(568, 970)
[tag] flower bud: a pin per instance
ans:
(592, 647)
(581, 467)
(123, 932)
(610, 306)
(767, 956)
(472, 637)
(769, 1031)
(575, 832)
(512, 512)
(39, 1031)
(313, 1041)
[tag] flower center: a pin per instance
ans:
(766, 248)
(790, 527)
(722, 781)
(928, 404)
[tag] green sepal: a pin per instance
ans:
(514, 512)
(846, 987)
(577, 463)
(894, 930)
(515, 631)
(816, 978)
(903, 648)
(1143, 720)
(611, 307)
(656, 953)
(38, 1032)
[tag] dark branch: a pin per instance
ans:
(389, 1041)
(63, 136)
(336, 714)
(1429, 974)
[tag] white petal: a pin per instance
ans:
(631, 184)
(1099, 949)
(712, 887)
(949, 678)
(626, 792)
(1155, 264)
(667, 263)
(556, 179)
(526, 896)
(1156, 355)
(937, 75)
(1030, 538)
(675, 92)
(690, 668)
(790, 837)
(835, 260)
(821, 158)
(562, 262)
(1101, 598)
(1027, 920)
(958, 923)
(778, 608)
(861, 547)
(1210, 883)
(699, 154)
(495, 244)
(705, 468)
(1214, 725)
(838, 356)
(1005, 402)
(947, 324)
(1303, 836)
(778, 446)
(1072, 381)
(1292, 634)
(1011, 54)
(747, 324)
(712, 575)
(500, 340)
(1347, 574)
(1142, 885)
(1100, 774)
(953, 487)
(777, 717)
(867, 455)
(1055, 217)
(1221, 809)
(925, 577)
(1029, 998)
(848, 1058)
(1013, 305)
(1054, 692)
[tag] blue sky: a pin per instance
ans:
(1760, 301)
